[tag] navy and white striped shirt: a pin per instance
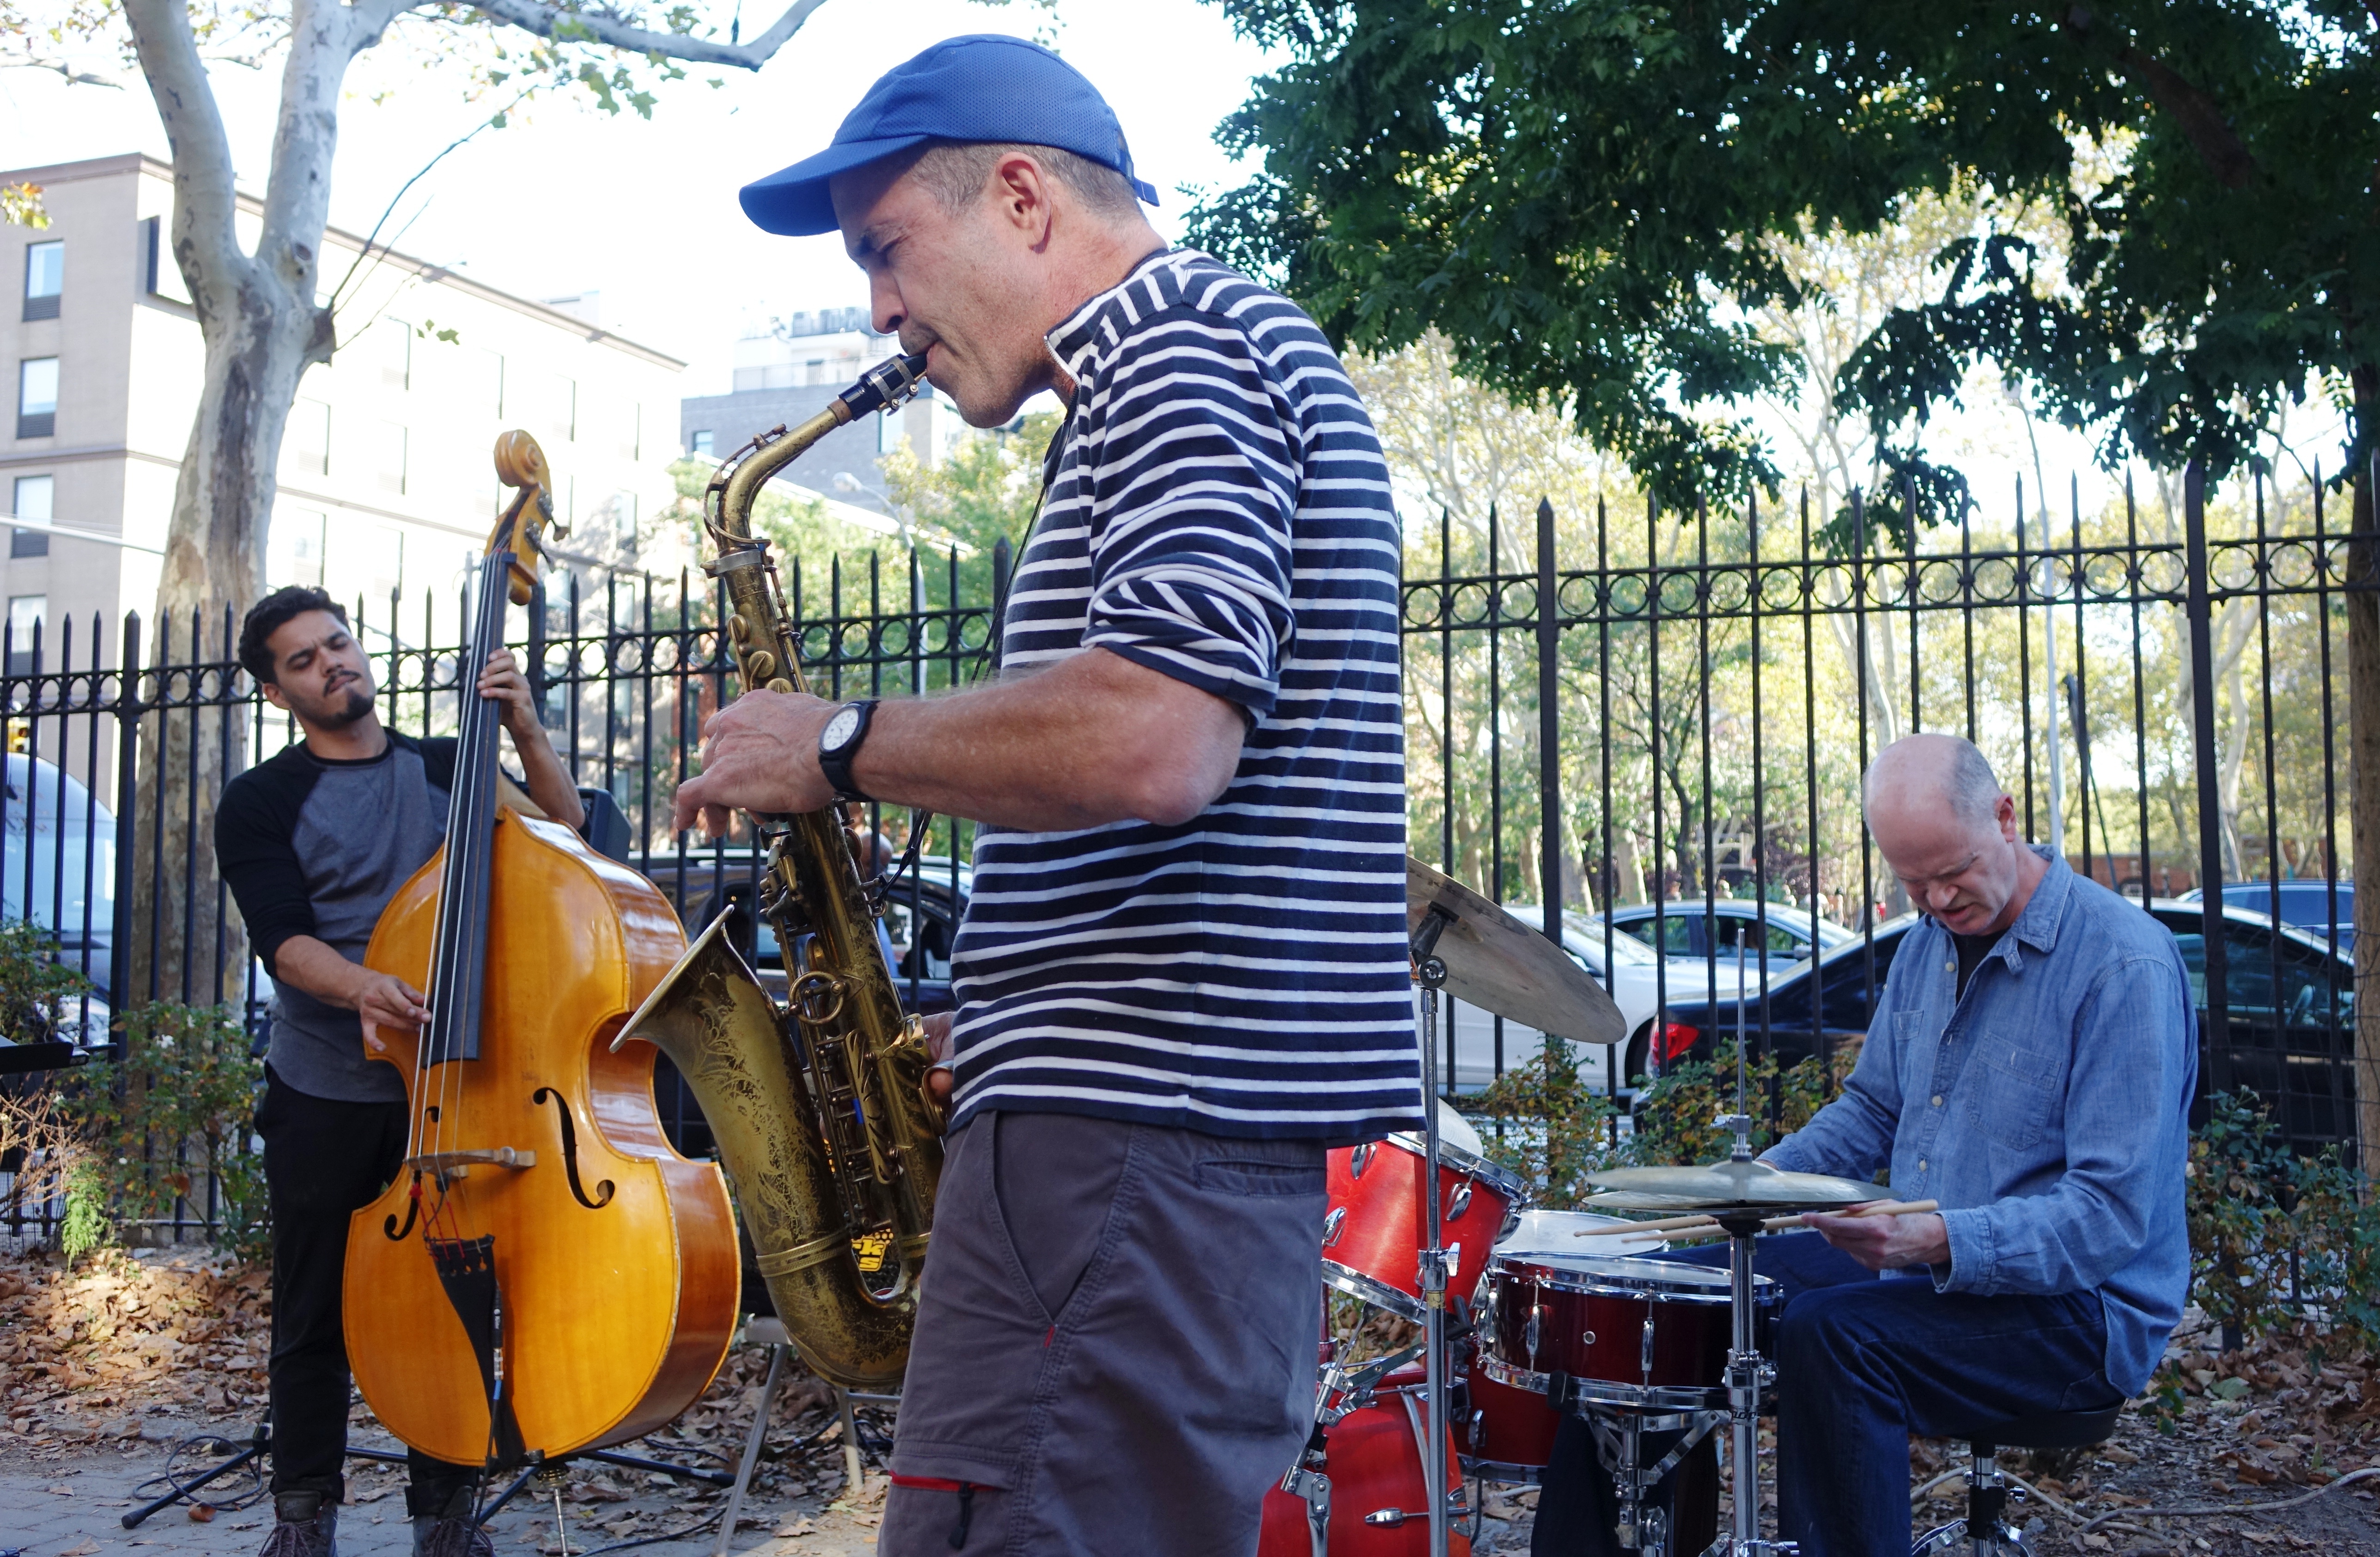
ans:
(1220, 512)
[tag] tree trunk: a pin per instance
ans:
(261, 328)
(2363, 771)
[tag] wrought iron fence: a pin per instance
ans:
(1709, 688)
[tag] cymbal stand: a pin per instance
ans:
(1429, 971)
(1747, 1371)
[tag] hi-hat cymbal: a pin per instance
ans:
(1724, 1185)
(1495, 962)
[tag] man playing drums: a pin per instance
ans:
(2030, 1067)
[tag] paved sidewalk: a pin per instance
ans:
(70, 1503)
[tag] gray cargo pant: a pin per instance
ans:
(1115, 1346)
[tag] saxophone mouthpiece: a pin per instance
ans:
(885, 385)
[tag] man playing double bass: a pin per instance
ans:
(1182, 972)
(313, 843)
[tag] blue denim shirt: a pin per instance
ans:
(2047, 1110)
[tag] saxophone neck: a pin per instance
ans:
(727, 502)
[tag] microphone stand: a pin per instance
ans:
(1429, 971)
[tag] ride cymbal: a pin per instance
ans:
(1724, 1185)
(1499, 964)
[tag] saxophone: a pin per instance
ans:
(819, 1107)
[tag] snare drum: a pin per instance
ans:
(1372, 1235)
(1644, 1335)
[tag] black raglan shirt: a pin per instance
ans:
(313, 846)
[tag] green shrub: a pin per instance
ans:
(34, 988)
(1555, 1130)
(1546, 1125)
(176, 1110)
(87, 1226)
(2257, 1212)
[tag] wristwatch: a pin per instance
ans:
(839, 743)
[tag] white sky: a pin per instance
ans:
(571, 201)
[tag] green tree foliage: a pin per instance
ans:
(1588, 198)
(986, 492)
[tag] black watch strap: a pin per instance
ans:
(835, 763)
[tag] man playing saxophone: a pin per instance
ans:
(1182, 971)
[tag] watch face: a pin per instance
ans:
(840, 729)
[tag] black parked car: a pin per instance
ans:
(2289, 1001)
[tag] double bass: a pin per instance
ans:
(545, 1275)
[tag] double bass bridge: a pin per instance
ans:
(444, 1165)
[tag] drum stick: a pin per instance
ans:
(1625, 1228)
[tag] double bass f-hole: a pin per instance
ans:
(570, 1151)
(389, 1229)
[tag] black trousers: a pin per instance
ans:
(324, 1160)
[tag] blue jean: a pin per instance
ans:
(1577, 1511)
(1862, 1368)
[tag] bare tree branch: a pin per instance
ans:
(339, 292)
(552, 21)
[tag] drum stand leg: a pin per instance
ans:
(1430, 970)
(1643, 1525)
(1747, 1373)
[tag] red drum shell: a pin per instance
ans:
(1373, 1232)
(1588, 1316)
(1374, 1463)
(1509, 1436)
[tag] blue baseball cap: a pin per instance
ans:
(982, 87)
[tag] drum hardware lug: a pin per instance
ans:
(1459, 1202)
(1386, 1518)
(1644, 1350)
(1358, 1160)
(1332, 1226)
(1530, 1332)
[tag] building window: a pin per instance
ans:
(25, 614)
(35, 498)
(294, 548)
(37, 397)
(396, 352)
(702, 440)
(46, 275)
(393, 439)
(164, 277)
(490, 375)
(306, 444)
